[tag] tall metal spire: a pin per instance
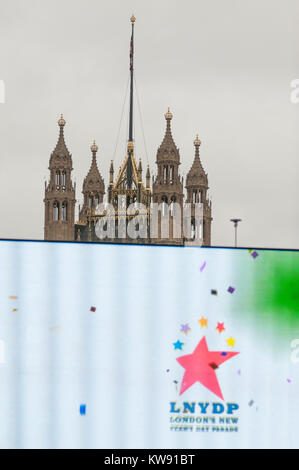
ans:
(133, 19)
(130, 143)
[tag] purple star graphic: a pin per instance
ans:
(185, 328)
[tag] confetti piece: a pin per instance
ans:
(178, 344)
(220, 327)
(213, 365)
(203, 322)
(251, 403)
(13, 297)
(288, 380)
(203, 267)
(92, 309)
(239, 372)
(82, 409)
(15, 309)
(231, 290)
(185, 328)
(223, 354)
(231, 342)
(167, 370)
(250, 251)
(175, 382)
(254, 254)
(213, 292)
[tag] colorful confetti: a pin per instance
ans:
(288, 380)
(254, 254)
(223, 354)
(231, 290)
(231, 342)
(178, 344)
(13, 297)
(213, 292)
(213, 365)
(185, 328)
(220, 327)
(203, 267)
(15, 309)
(92, 309)
(251, 403)
(203, 322)
(82, 409)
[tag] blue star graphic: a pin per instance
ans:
(178, 344)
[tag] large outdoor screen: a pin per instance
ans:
(127, 346)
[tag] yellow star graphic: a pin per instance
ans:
(203, 322)
(231, 342)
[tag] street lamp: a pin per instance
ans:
(236, 221)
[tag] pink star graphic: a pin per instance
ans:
(200, 366)
(220, 327)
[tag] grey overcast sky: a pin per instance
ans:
(223, 66)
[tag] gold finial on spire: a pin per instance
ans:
(94, 148)
(168, 115)
(130, 145)
(133, 19)
(197, 141)
(61, 121)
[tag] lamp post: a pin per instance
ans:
(236, 221)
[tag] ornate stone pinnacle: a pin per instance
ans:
(61, 121)
(94, 148)
(197, 141)
(168, 115)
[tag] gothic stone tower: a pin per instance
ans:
(93, 187)
(60, 193)
(168, 185)
(197, 187)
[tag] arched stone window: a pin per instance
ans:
(193, 228)
(171, 174)
(201, 230)
(172, 201)
(199, 196)
(56, 211)
(64, 211)
(90, 202)
(194, 197)
(165, 173)
(57, 178)
(164, 205)
(64, 178)
(96, 200)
